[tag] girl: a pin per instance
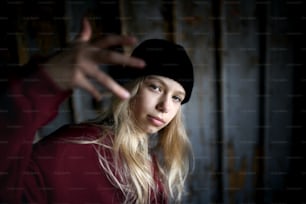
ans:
(137, 152)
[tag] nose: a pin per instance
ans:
(163, 105)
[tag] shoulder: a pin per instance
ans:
(78, 130)
(76, 139)
(74, 132)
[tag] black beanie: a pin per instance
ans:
(162, 58)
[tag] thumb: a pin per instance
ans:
(85, 33)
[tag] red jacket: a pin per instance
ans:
(51, 171)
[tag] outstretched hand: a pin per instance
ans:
(74, 66)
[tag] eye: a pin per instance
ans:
(155, 87)
(177, 99)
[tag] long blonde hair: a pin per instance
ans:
(131, 166)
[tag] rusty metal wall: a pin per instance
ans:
(246, 118)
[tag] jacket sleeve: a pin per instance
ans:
(27, 102)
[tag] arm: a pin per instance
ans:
(27, 103)
(31, 101)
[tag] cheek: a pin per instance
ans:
(143, 100)
(140, 105)
(173, 114)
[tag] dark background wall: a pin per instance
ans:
(246, 119)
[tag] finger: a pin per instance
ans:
(114, 40)
(112, 57)
(106, 81)
(112, 85)
(85, 33)
(85, 84)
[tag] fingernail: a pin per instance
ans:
(126, 95)
(142, 63)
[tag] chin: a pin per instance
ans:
(149, 132)
(152, 130)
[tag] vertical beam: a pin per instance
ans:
(194, 29)
(278, 103)
(261, 14)
(296, 180)
(240, 80)
(217, 22)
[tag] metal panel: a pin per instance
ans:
(142, 19)
(194, 30)
(41, 33)
(241, 126)
(278, 103)
(240, 100)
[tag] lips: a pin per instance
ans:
(156, 120)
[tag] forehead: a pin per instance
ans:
(170, 83)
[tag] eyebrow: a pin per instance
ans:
(164, 84)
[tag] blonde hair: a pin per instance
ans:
(131, 166)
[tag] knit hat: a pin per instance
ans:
(162, 58)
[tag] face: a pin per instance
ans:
(156, 103)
